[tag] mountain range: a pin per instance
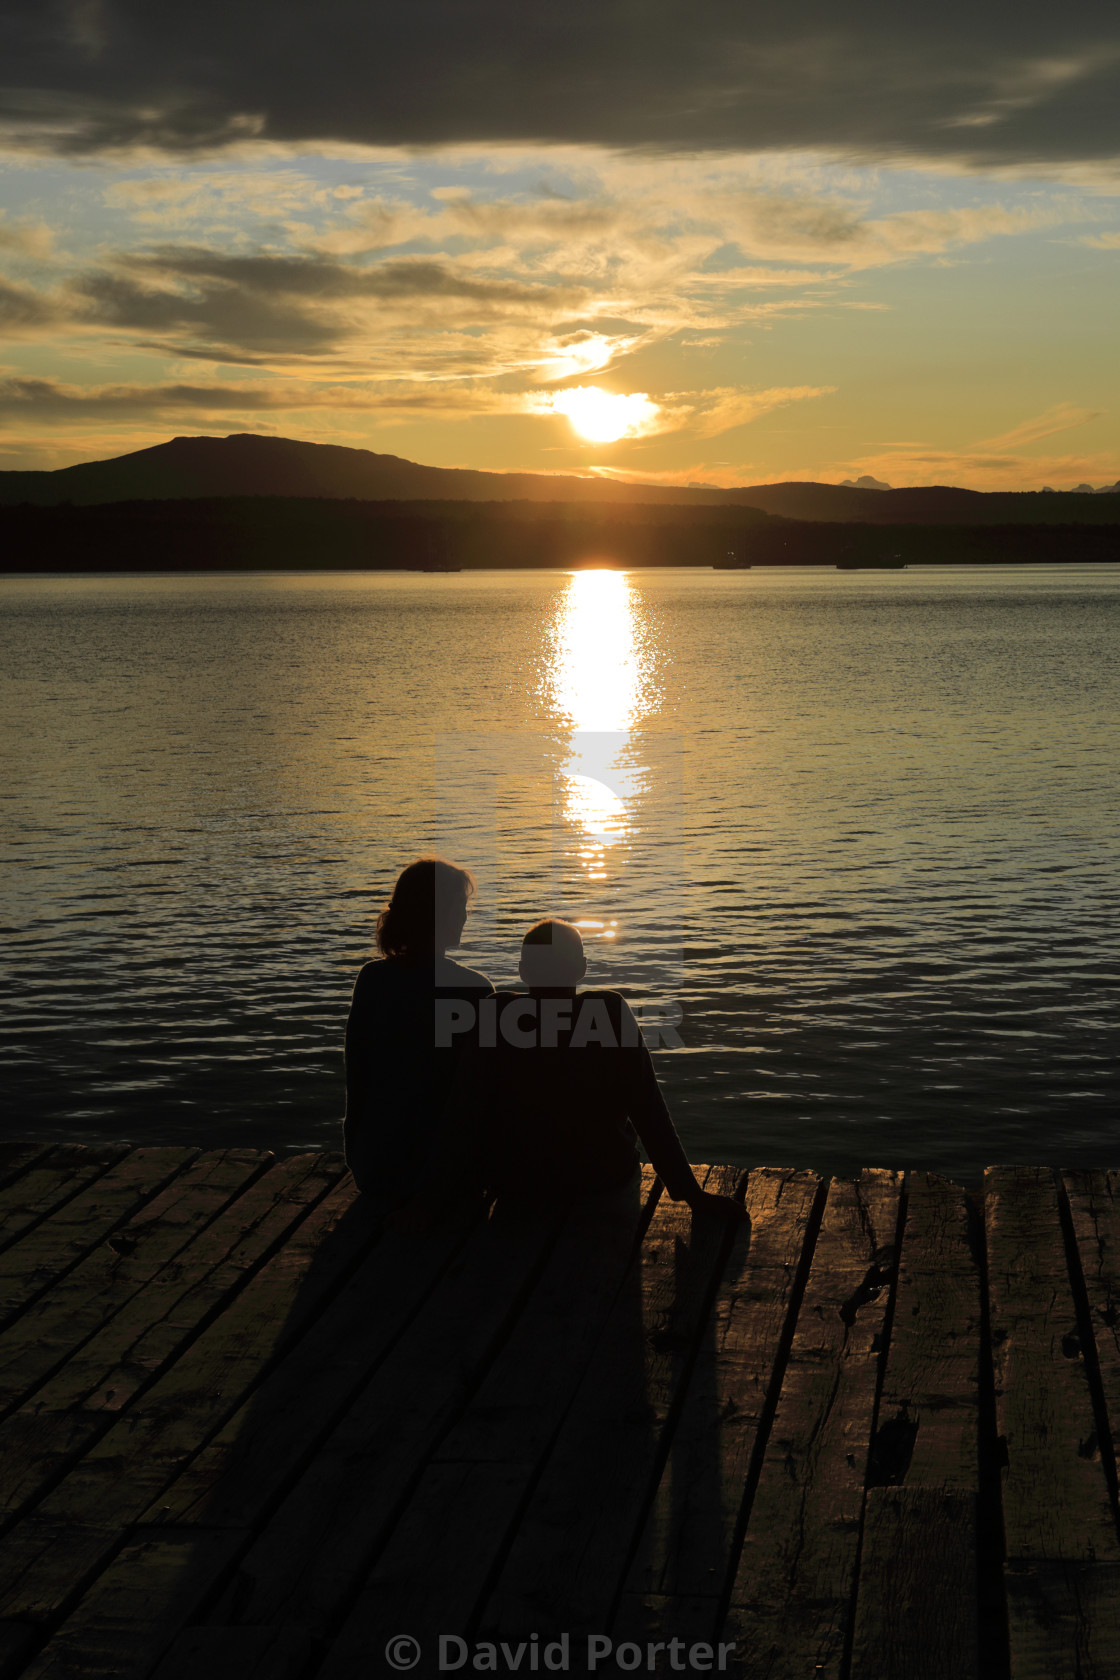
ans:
(248, 464)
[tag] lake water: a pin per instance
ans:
(858, 829)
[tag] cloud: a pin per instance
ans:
(46, 401)
(1057, 419)
(22, 309)
(24, 238)
(996, 463)
(218, 199)
(722, 410)
(464, 286)
(253, 307)
(596, 414)
(49, 401)
(981, 469)
(953, 82)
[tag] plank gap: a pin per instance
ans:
(891, 1272)
(1105, 1443)
(773, 1394)
(665, 1441)
(993, 1638)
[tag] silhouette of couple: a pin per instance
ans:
(451, 1085)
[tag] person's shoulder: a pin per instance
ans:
(386, 975)
(602, 994)
(466, 979)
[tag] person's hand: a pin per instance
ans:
(708, 1202)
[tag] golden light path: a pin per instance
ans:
(597, 684)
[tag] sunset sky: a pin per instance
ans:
(800, 243)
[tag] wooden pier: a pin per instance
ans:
(244, 1435)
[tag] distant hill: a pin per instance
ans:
(250, 465)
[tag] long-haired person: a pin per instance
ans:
(397, 1075)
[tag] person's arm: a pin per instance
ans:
(357, 1050)
(653, 1123)
(356, 1142)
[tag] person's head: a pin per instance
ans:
(552, 956)
(427, 910)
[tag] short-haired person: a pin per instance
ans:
(558, 1082)
(397, 1076)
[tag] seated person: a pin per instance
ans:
(554, 1086)
(397, 1076)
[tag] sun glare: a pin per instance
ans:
(605, 416)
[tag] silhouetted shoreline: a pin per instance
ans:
(282, 533)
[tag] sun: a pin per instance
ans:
(605, 416)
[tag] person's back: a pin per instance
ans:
(397, 1075)
(563, 1090)
(557, 1083)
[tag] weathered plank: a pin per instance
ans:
(1094, 1206)
(83, 1399)
(140, 1604)
(314, 1552)
(237, 1653)
(917, 1610)
(160, 1324)
(791, 1598)
(260, 1452)
(16, 1155)
(99, 1638)
(1062, 1620)
(573, 1545)
(436, 1565)
(1062, 1573)
(435, 1569)
(318, 1459)
(686, 1544)
(1056, 1504)
(916, 1617)
(108, 1198)
(77, 1527)
(82, 1302)
(17, 1641)
(672, 1632)
(49, 1183)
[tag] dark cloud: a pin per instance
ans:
(322, 277)
(227, 317)
(1036, 83)
(22, 307)
(44, 400)
(246, 308)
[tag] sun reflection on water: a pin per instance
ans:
(598, 682)
(597, 666)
